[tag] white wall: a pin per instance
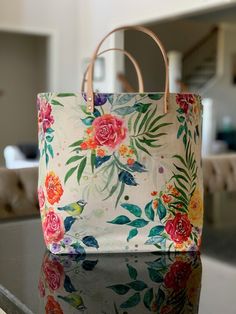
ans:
(22, 76)
(223, 92)
(58, 17)
(96, 18)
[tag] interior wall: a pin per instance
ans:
(176, 35)
(22, 76)
(96, 18)
(57, 17)
(223, 91)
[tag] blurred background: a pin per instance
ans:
(46, 45)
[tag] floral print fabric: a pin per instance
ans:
(126, 170)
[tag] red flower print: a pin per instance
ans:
(178, 275)
(44, 116)
(41, 288)
(154, 193)
(108, 130)
(130, 161)
(53, 228)
(167, 309)
(185, 101)
(52, 306)
(166, 198)
(53, 187)
(41, 197)
(179, 228)
(54, 273)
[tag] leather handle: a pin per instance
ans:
(131, 58)
(90, 94)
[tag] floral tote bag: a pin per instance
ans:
(120, 172)
(124, 283)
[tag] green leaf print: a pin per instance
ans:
(157, 230)
(155, 275)
(138, 223)
(133, 209)
(123, 99)
(132, 234)
(132, 272)
(149, 211)
(56, 103)
(123, 111)
(69, 173)
(120, 289)
(132, 301)
(81, 169)
(140, 107)
(148, 297)
(73, 159)
(65, 94)
(155, 96)
(88, 121)
(137, 285)
(161, 210)
(120, 220)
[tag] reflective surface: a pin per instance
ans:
(38, 282)
(129, 283)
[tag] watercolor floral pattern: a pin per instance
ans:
(178, 206)
(114, 146)
(116, 151)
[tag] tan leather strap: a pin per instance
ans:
(90, 94)
(131, 58)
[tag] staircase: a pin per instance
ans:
(199, 63)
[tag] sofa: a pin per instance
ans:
(18, 188)
(18, 193)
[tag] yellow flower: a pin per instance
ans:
(195, 208)
(123, 149)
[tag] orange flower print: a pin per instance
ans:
(123, 149)
(52, 306)
(91, 143)
(155, 204)
(130, 161)
(100, 152)
(84, 145)
(89, 130)
(53, 187)
(166, 198)
(175, 192)
(154, 193)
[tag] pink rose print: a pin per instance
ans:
(185, 101)
(54, 273)
(179, 228)
(44, 116)
(109, 130)
(53, 228)
(41, 197)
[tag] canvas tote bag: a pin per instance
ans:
(120, 172)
